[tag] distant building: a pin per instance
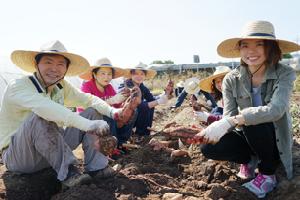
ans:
(182, 67)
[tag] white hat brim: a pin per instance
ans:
(190, 90)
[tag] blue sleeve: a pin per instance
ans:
(209, 97)
(146, 94)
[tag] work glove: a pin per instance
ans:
(215, 131)
(163, 99)
(98, 128)
(201, 115)
(209, 103)
(118, 98)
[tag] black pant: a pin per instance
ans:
(238, 146)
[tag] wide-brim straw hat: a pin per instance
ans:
(180, 84)
(191, 85)
(150, 73)
(103, 62)
(26, 59)
(206, 83)
(254, 30)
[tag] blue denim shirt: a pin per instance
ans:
(276, 90)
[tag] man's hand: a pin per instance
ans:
(214, 131)
(99, 128)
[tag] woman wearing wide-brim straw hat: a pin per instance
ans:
(97, 83)
(207, 84)
(104, 63)
(213, 85)
(149, 73)
(256, 97)
(138, 74)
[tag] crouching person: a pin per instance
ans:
(256, 98)
(33, 115)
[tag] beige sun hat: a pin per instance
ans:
(254, 30)
(103, 62)
(26, 59)
(150, 73)
(180, 84)
(191, 85)
(206, 83)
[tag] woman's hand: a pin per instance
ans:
(214, 131)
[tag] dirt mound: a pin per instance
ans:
(148, 174)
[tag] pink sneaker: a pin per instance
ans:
(261, 185)
(246, 171)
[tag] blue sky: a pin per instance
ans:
(129, 31)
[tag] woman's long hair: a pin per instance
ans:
(217, 94)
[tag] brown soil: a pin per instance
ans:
(147, 174)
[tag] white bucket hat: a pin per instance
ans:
(191, 85)
(103, 62)
(206, 83)
(26, 59)
(150, 73)
(180, 84)
(254, 30)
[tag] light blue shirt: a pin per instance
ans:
(256, 96)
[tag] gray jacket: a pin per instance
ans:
(276, 90)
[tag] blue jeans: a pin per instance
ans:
(144, 119)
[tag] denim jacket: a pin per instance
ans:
(276, 90)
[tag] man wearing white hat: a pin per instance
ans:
(33, 115)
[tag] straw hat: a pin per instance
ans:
(26, 59)
(180, 84)
(191, 85)
(206, 83)
(150, 73)
(254, 30)
(103, 62)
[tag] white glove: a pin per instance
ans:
(216, 130)
(202, 116)
(99, 128)
(163, 99)
(209, 103)
(118, 98)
